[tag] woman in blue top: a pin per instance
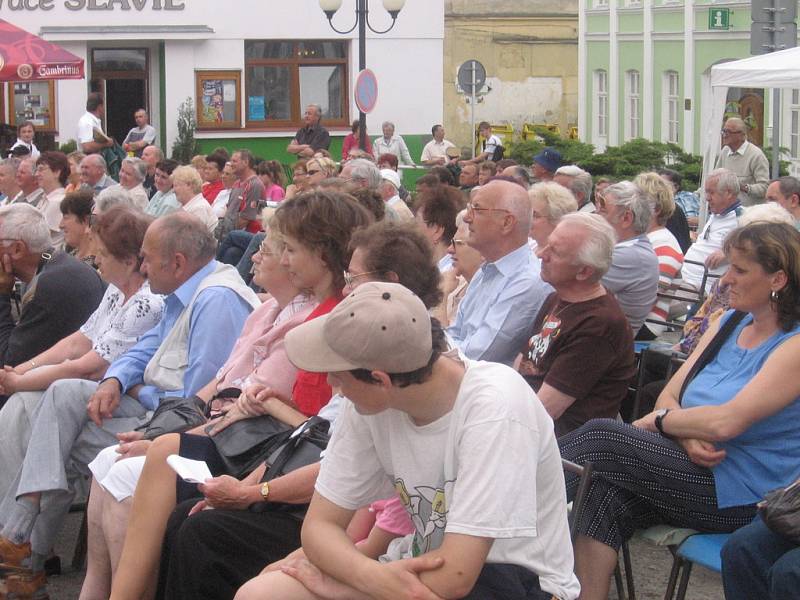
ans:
(704, 458)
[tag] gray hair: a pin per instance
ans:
(186, 234)
(27, 224)
(580, 180)
(10, 163)
(389, 123)
(630, 196)
(96, 158)
(365, 170)
(521, 174)
(190, 176)
(727, 181)
(139, 167)
(112, 196)
(460, 218)
(789, 185)
(559, 200)
(597, 247)
(771, 212)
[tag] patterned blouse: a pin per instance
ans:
(116, 325)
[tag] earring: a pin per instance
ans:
(773, 296)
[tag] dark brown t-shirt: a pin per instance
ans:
(584, 350)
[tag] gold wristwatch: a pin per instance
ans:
(264, 491)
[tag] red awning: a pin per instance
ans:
(26, 57)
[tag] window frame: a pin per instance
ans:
(295, 62)
(601, 102)
(201, 76)
(670, 101)
(632, 104)
(12, 115)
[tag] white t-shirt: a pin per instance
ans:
(709, 240)
(491, 144)
(489, 468)
(86, 126)
(200, 208)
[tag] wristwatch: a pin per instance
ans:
(660, 414)
(264, 491)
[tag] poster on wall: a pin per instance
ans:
(218, 99)
(256, 108)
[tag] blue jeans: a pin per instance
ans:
(757, 563)
(245, 265)
(232, 248)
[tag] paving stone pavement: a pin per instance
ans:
(650, 567)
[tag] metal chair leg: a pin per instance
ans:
(687, 571)
(677, 563)
(626, 560)
(619, 583)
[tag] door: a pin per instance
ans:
(121, 75)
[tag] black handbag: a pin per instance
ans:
(245, 444)
(780, 510)
(302, 448)
(174, 415)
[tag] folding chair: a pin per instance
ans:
(702, 549)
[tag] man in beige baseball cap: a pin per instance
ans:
(466, 445)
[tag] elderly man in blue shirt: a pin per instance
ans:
(496, 316)
(206, 306)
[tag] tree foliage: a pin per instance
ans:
(185, 145)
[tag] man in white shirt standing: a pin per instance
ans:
(490, 143)
(91, 120)
(746, 160)
(435, 152)
(140, 136)
(25, 133)
(438, 431)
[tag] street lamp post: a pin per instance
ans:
(393, 7)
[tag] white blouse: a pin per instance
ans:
(116, 325)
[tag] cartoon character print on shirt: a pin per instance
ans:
(428, 511)
(539, 344)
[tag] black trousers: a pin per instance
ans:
(507, 582)
(209, 555)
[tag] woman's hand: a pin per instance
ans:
(231, 414)
(258, 400)
(314, 580)
(132, 443)
(225, 492)
(9, 380)
(276, 566)
(702, 453)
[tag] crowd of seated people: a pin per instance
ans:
(488, 314)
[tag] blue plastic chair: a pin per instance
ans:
(702, 549)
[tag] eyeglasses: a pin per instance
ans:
(314, 172)
(265, 249)
(456, 242)
(349, 278)
(730, 132)
(472, 209)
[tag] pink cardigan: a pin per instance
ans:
(259, 355)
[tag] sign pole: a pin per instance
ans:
(776, 97)
(472, 107)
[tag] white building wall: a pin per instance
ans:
(407, 61)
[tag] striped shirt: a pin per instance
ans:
(670, 260)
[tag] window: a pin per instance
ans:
(669, 110)
(283, 77)
(794, 131)
(631, 105)
(601, 3)
(33, 101)
(601, 102)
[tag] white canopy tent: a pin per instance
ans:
(774, 70)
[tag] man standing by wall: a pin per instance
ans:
(140, 136)
(312, 137)
(92, 120)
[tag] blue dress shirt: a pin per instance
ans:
(216, 322)
(496, 316)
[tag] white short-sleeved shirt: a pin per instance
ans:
(489, 468)
(86, 126)
(116, 325)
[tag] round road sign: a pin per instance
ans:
(366, 91)
(471, 74)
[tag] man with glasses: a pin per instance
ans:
(746, 160)
(725, 208)
(496, 316)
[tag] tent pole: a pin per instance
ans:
(776, 131)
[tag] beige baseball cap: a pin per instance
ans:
(379, 326)
(391, 176)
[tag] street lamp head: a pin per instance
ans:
(393, 7)
(329, 7)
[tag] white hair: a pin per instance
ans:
(770, 212)
(597, 247)
(630, 196)
(580, 180)
(27, 224)
(727, 180)
(116, 194)
(139, 167)
(361, 168)
(559, 200)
